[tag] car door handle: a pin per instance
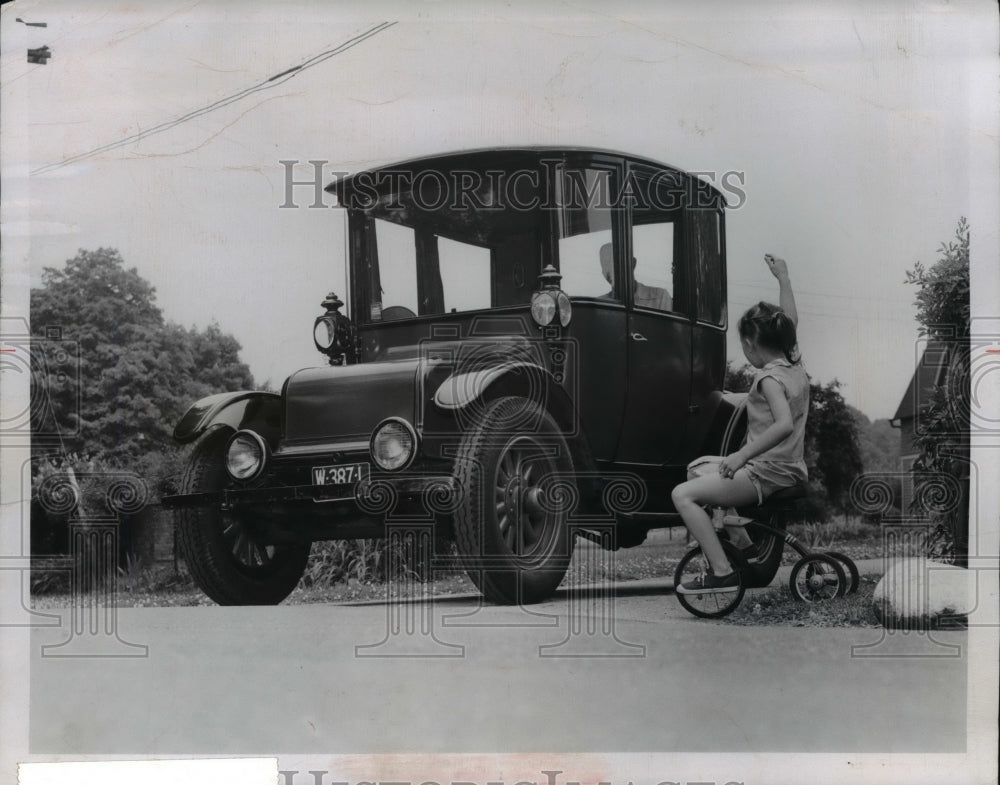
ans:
(638, 337)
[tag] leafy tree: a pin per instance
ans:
(943, 309)
(878, 442)
(944, 316)
(832, 452)
(138, 373)
(738, 378)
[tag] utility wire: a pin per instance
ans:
(273, 81)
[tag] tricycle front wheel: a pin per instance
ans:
(708, 605)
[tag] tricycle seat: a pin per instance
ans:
(799, 491)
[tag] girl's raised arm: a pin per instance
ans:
(786, 299)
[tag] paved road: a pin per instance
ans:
(292, 678)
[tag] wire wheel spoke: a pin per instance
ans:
(238, 542)
(528, 528)
(260, 554)
(506, 530)
(521, 521)
(506, 467)
(248, 561)
(246, 549)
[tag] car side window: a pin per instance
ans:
(586, 258)
(655, 235)
(710, 279)
(653, 251)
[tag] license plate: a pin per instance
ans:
(344, 474)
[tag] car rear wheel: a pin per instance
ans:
(226, 555)
(516, 480)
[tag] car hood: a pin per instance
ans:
(344, 404)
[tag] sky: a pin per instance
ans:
(861, 132)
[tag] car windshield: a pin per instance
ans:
(449, 242)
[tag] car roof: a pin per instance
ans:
(504, 157)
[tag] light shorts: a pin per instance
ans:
(768, 477)
(765, 476)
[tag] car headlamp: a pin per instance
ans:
(246, 455)
(324, 333)
(393, 444)
(565, 308)
(543, 308)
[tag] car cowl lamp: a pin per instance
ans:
(334, 334)
(550, 303)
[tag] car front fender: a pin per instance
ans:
(529, 380)
(259, 411)
(460, 389)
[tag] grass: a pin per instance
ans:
(776, 606)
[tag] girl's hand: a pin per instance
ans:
(778, 267)
(731, 464)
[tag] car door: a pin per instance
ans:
(705, 222)
(590, 238)
(658, 345)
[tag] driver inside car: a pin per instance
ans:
(643, 296)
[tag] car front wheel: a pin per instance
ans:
(228, 557)
(516, 480)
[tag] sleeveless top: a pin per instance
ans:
(784, 462)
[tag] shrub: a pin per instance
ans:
(944, 315)
(371, 560)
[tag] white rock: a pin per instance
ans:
(923, 594)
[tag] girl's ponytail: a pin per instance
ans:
(770, 326)
(784, 331)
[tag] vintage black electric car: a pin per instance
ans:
(532, 349)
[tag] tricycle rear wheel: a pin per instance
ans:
(817, 577)
(850, 570)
